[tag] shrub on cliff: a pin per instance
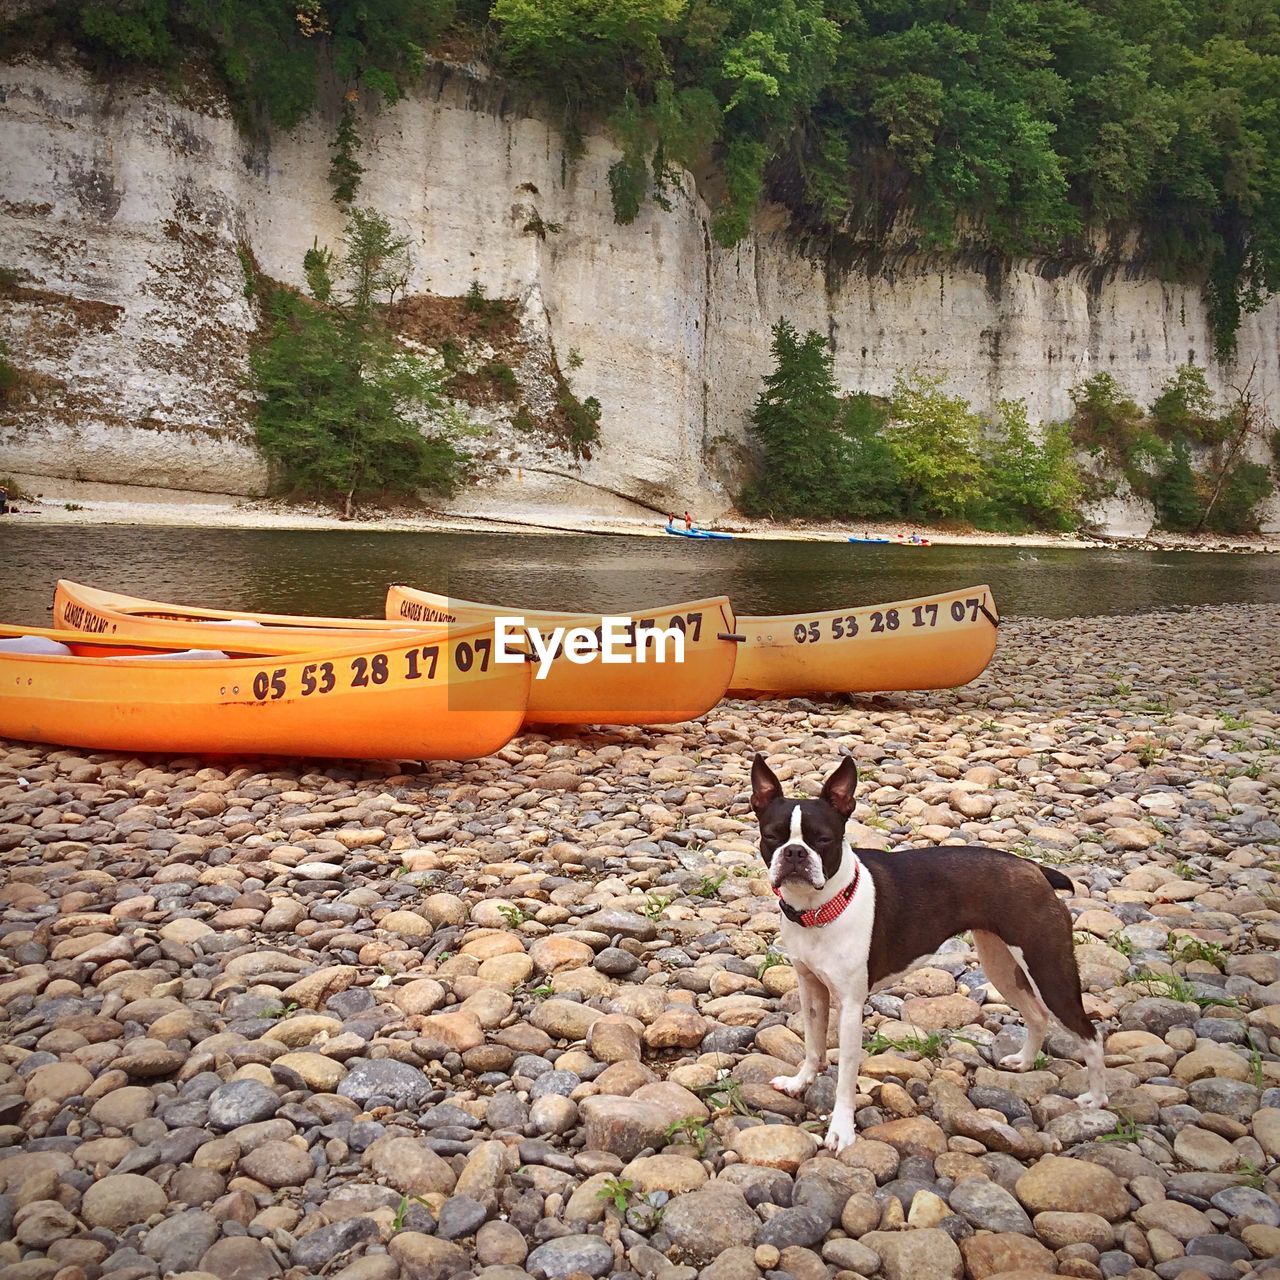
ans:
(340, 400)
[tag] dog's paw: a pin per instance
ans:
(1092, 1102)
(792, 1085)
(842, 1133)
(1016, 1062)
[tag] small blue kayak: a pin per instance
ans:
(853, 539)
(698, 533)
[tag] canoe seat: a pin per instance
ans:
(34, 644)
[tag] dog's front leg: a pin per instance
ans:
(814, 1009)
(842, 1130)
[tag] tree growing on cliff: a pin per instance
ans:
(341, 402)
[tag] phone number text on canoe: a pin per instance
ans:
(846, 626)
(616, 640)
(316, 678)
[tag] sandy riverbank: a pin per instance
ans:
(230, 513)
(517, 1017)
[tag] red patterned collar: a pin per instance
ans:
(830, 910)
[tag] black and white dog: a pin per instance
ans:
(854, 918)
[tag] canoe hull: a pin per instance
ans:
(935, 642)
(388, 697)
(634, 692)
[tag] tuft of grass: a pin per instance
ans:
(1252, 1175)
(618, 1191)
(512, 914)
(1186, 948)
(655, 906)
(1127, 1130)
(283, 1011)
(501, 376)
(771, 958)
(1256, 1077)
(708, 886)
(1122, 943)
(725, 1095)
(690, 1130)
(931, 1046)
(1172, 985)
(402, 1211)
(1234, 722)
(1176, 987)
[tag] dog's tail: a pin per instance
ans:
(1056, 878)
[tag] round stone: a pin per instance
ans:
(278, 1164)
(121, 1200)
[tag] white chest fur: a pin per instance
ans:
(836, 953)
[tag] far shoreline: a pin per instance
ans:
(229, 512)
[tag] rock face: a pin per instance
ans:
(125, 209)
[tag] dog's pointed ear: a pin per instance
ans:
(765, 787)
(840, 789)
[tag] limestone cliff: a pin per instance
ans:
(123, 208)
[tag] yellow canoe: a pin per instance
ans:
(81, 608)
(934, 642)
(387, 696)
(637, 690)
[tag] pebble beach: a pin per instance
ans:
(517, 1017)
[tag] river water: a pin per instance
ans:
(347, 572)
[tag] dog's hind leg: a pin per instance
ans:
(815, 1009)
(1047, 964)
(1015, 985)
(1097, 1094)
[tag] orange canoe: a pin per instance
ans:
(934, 642)
(81, 608)
(637, 690)
(389, 696)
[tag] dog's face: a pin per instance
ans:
(802, 841)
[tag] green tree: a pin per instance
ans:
(933, 438)
(1187, 407)
(1029, 481)
(1177, 497)
(580, 48)
(340, 401)
(375, 258)
(824, 456)
(1245, 487)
